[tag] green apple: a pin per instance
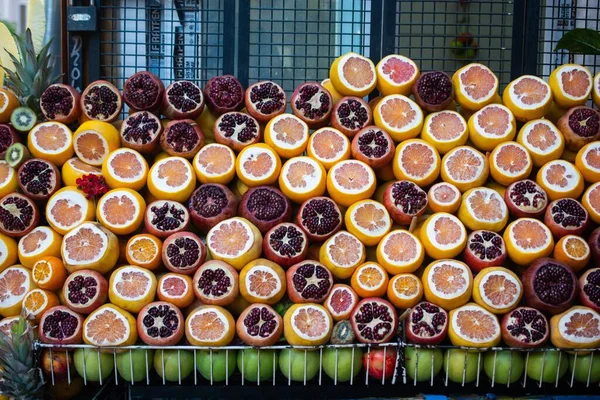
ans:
(346, 366)
(93, 365)
(136, 359)
(423, 362)
(174, 364)
(551, 367)
(248, 361)
(295, 360)
(457, 361)
(505, 362)
(581, 365)
(223, 364)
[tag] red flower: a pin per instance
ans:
(92, 185)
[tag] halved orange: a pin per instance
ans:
(573, 251)
(51, 141)
(176, 289)
(236, 241)
(144, 250)
(591, 201)
(121, 211)
(464, 167)
(445, 130)
(15, 283)
(328, 146)
(443, 236)
(210, 326)
(90, 246)
(49, 273)
(404, 290)
(473, 326)
(369, 280)
(475, 86)
(8, 251)
(42, 241)
(571, 85)
(74, 169)
(396, 74)
(68, 208)
(543, 140)
(110, 325)
(37, 302)
(497, 289)
(447, 283)
(125, 168)
(588, 161)
(307, 325)
(510, 162)
(287, 134)
(172, 178)
(416, 161)
(350, 181)
(443, 197)
(490, 126)
(262, 281)
(398, 115)
(527, 239)
(342, 253)
(215, 163)
(353, 75)
(483, 208)
(8, 103)
(8, 179)
(302, 178)
(131, 288)
(93, 141)
(368, 220)
(528, 97)
(258, 164)
(560, 179)
(400, 251)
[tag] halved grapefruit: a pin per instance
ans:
(236, 241)
(447, 283)
(8, 179)
(528, 97)
(443, 197)
(51, 141)
(443, 236)
(527, 239)
(307, 325)
(475, 86)
(560, 179)
(74, 169)
(588, 161)
(175, 289)
(302, 178)
(342, 253)
(125, 168)
(8, 251)
(445, 130)
(121, 211)
(287, 134)
(328, 146)
(111, 326)
(591, 201)
(353, 75)
(464, 167)
(258, 164)
(510, 162)
(94, 140)
(131, 288)
(171, 178)
(490, 126)
(483, 208)
(571, 85)
(473, 326)
(543, 140)
(416, 161)
(396, 74)
(398, 115)
(69, 208)
(341, 301)
(350, 181)
(400, 251)
(215, 163)
(15, 283)
(42, 241)
(369, 221)
(497, 289)
(210, 326)
(262, 281)
(90, 246)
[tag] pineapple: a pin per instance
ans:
(20, 377)
(32, 72)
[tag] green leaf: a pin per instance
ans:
(581, 41)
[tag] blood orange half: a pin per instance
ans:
(175, 289)
(341, 301)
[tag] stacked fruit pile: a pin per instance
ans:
(308, 227)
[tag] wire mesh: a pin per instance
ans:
(427, 31)
(558, 17)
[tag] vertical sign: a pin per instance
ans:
(75, 59)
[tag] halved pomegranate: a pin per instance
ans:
(549, 286)
(60, 325)
(484, 249)
(143, 91)
(223, 94)
(589, 288)
(84, 291)
(374, 320)
(183, 252)
(216, 282)
(285, 244)
(350, 115)
(236, 130)
(8, 137)
(426, 324)
(308, 282)
(526, 199)
(373, 146)
(182, 100)
(265, 207)
(312, 103)
(404, 200)
(18, 215)
(259, 325)
(182, 138)
(433, 91)
(101, 101)
(265, 100)
(210, 204)
(525, 327)
(141, 131)
(166, 217)
(60, 103)
(320, 218)
(38, 179)
(160, 324)
(341, 301)
(566, 217)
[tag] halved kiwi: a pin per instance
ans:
(23, 119)
(16, 155)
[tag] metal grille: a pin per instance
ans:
(558, 17)
(175, 39)
(294, 41)
(424, 31)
